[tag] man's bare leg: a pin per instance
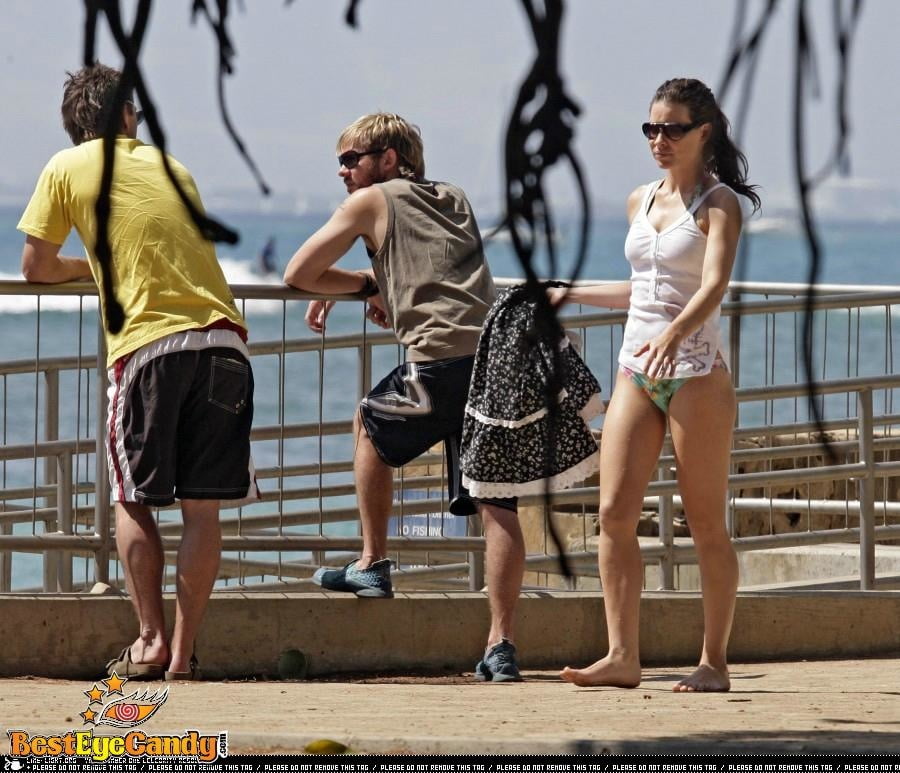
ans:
(633, 432)
(198, 565)
(504, 568)
(374, 496)
(140, 551)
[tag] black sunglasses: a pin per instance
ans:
(351, 158)
(673, 131)
(138, 114)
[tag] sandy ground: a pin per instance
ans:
(782, 708)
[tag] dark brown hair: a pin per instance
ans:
(723, 158)
(88, 96)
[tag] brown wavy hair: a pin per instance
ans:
(87, 99)
(723, 158)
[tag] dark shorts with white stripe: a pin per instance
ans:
(417, 405)
(183, 428)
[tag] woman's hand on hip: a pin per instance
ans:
(661, 355)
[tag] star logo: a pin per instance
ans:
(95, 694)
(114, 684)
(127, 711)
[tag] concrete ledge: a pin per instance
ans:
(71, 636)
(846, 582)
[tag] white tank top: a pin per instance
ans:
(666, 268)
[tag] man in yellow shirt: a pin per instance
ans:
(180, 382)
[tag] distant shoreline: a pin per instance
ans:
(490, 219)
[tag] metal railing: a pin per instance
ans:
(52, 510)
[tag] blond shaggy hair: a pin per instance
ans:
(388, 130)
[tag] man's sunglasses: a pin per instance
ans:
(138, 114)
(673, 131)
(351, 158)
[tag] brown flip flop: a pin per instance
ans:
(124, 666)
(185, 676)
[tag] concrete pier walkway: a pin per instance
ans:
(801, 707)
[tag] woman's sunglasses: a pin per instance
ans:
(672, 131)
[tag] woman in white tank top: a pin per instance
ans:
(681, 246)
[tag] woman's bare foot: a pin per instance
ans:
(705, 678)
(607, 672)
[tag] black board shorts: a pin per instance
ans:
(179, 424)
(417, 405)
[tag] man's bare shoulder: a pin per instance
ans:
(369, 196)
(365, 201)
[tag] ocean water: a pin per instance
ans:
(847, 343)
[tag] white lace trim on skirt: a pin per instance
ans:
(567, 479)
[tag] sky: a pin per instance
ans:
(453, 68)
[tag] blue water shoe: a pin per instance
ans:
(373, 582)
(499, 664)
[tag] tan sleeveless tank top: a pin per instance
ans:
(431, 270)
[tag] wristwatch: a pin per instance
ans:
(370, 287)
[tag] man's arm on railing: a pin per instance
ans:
(41, 262)
(312, 267)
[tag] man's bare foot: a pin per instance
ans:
(705, 678)
(152, 652)
(605, 673)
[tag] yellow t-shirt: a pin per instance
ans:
(165, 274)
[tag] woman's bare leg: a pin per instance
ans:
(633, 431)
(701, 418)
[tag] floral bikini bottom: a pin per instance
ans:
(662, 390)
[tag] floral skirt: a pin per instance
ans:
(507, 447)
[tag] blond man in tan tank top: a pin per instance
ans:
(429, 283)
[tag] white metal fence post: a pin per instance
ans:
(101, 480)
(866, 486)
